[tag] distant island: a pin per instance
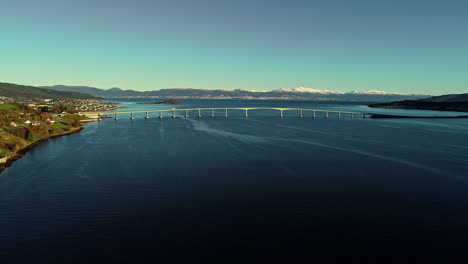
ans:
(451, 102)
(169, 102)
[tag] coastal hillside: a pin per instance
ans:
(451, 102)
(22, 126)
(448, 98)
(25, 92)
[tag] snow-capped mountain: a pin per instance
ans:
(308, 90)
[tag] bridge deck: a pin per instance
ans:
(234, 108)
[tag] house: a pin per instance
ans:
(28, 122)
(48, 122)
(13, 124)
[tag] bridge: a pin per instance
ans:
(314, 113)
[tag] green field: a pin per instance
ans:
(4, 152)
(7, 107)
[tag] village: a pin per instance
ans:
(72, 105)
(53, 108)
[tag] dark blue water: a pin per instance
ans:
(260, 188)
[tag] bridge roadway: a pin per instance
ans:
(246, 109)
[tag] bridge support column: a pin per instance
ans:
(301, 115)
(246, 112)
(131, 116)
(326, 114)
(186, 114)
(199, 113)
(160, 115)
(352, 115)
(281, 113)
(225, 113)
(363, 115)
(339, 115)
(212, 113)
(116, 117)
(173, 113)
(314, 115)
(99, 117)
(147, 116)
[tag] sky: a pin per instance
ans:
(410, 46)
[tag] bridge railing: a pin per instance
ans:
(226, 112)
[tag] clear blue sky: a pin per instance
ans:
(400, 46)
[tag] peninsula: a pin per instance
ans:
(452, 102)
(22, 127)
(30, 115)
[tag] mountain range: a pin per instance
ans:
(28, 92)
(300, 93)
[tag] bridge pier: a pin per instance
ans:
(186, 114)
(314, 115)
(199, 113)
(116, 117)
(225, 113)
(363, 115)
(131, 116)
(301, 115)
(352, 115)
(99, 117)
(246, 112)
(147, 116)
(326, 114)
(339, 115)
(173, 113)
(212, 113)
(160, 115)
(281, 113)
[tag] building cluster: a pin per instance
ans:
(5, 100)
(73, 105)
(86, 105)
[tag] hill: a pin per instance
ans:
(26, 92)
(448, 98)
(451, 102)
(300, 93)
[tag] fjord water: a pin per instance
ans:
(263, 185)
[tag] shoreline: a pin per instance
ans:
(402, 116)
(20, 153)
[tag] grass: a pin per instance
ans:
(59, 125)
(4, 152)
(8, 107)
